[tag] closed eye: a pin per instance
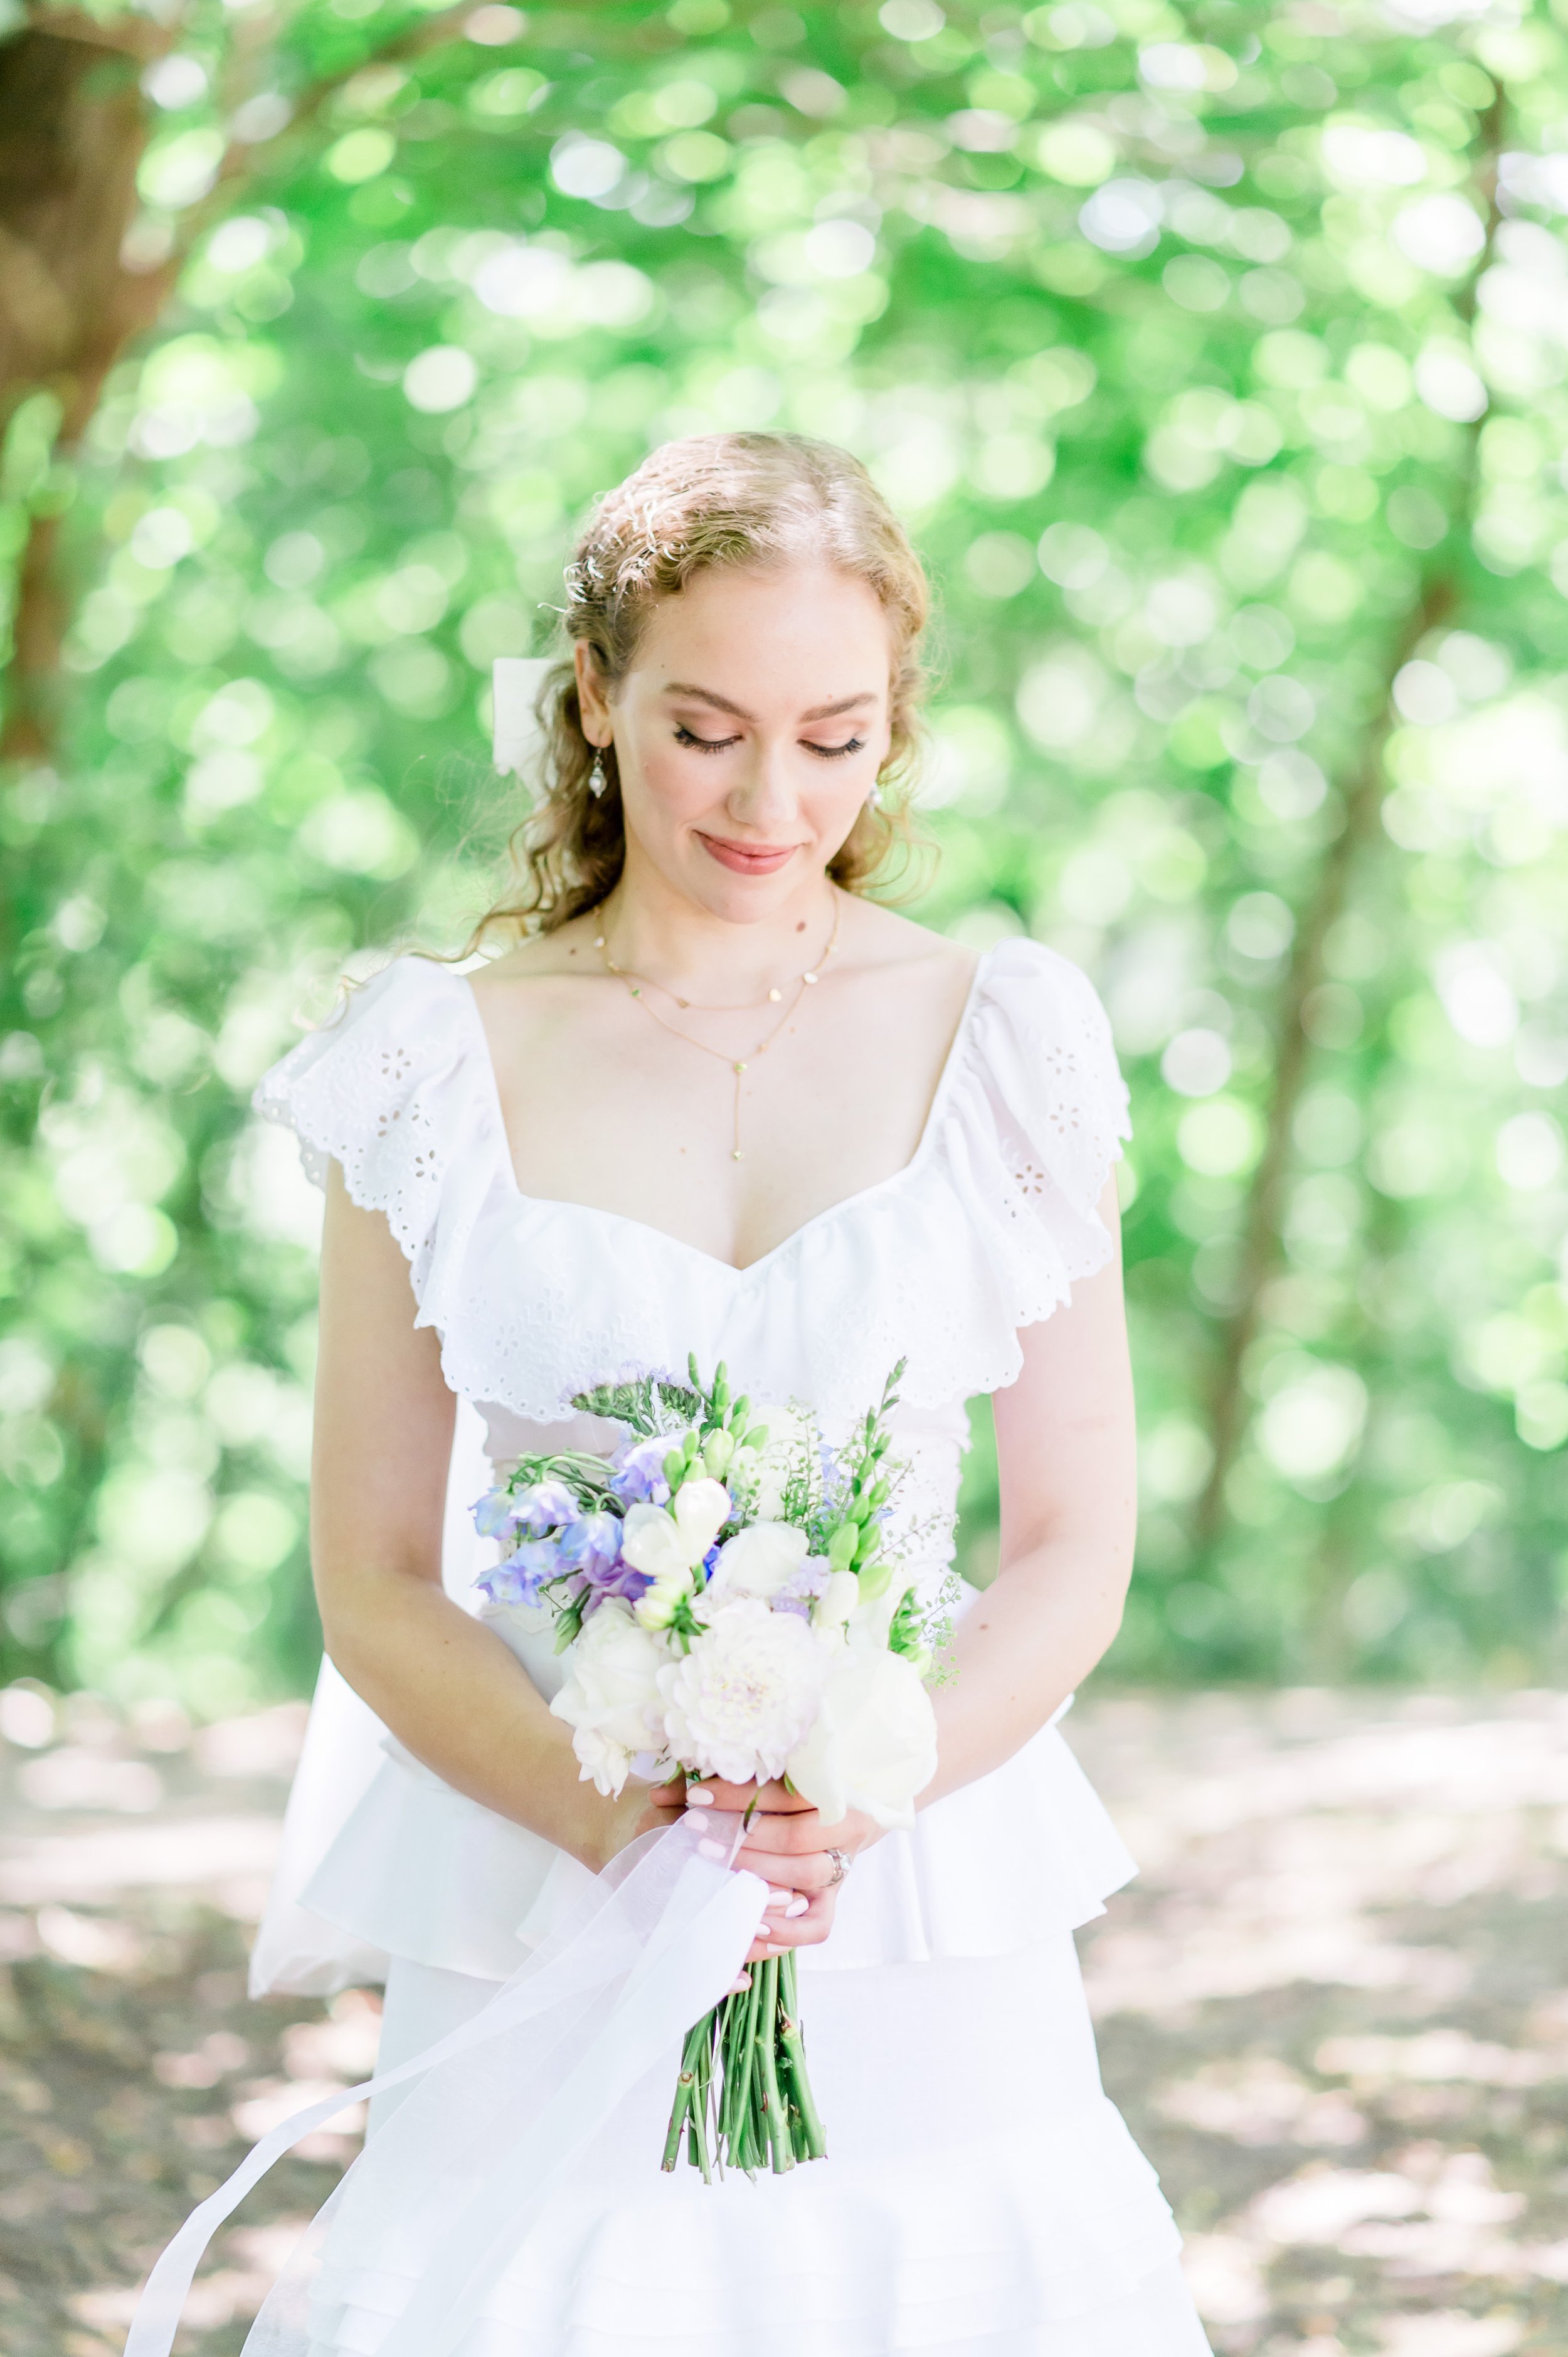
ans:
(684, 735)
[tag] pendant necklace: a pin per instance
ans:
(638, 984)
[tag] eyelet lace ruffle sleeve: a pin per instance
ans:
(1034, 1123)
(387, 1089)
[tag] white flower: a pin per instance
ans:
(608, 1763)
(759, 1561)
(791, 1449)
(668, 1541)
(837, 1601)
(873, 1616)
(874, 1744)
(745, 1694)
(610, 1699)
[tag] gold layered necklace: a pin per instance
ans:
(637, 985)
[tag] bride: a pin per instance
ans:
(715, 1098)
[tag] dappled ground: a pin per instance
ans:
(1333, 2007)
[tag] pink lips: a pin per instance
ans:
(743, 859)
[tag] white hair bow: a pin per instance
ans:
(515, 682)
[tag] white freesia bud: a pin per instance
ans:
(610, 1700)
(658, 1606)
(701, 1509)
(717, 1450)
(759, 1561)
(661, 1540)
(874, 1745)
(836, 1602)
(667, 1543)
(873, 1616)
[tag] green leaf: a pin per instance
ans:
(648, 1406)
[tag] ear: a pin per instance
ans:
(591, 697)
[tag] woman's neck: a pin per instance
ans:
(652, 929)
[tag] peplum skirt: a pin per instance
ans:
(981, 2198)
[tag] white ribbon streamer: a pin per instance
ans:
(650, 1947)
(516, 738)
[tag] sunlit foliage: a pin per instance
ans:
(1215, 355)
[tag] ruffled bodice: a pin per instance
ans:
(983, 1232)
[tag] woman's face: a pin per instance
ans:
(747, 732)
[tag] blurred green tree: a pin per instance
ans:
(1215, 355)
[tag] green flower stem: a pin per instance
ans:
(697, 2151)
(792, 2052)
(685, 2086)
(744, 2099)
(772, 2096)
(740, 2052)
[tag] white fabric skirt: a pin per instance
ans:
(981, 2196)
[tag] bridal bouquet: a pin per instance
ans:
(725, 1589)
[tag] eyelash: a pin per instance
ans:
(722, 744)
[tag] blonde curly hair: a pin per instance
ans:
(747, 501)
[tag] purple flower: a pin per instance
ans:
(638, 1468)
(590, 1544)
(808, 1581)
(519, 1579)
(620, 1580)
(543, 1506)
(493, 1517)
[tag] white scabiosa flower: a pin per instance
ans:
(741, 1700)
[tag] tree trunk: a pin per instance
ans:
(67, 304)
(1439, 596)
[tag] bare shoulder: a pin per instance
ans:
(543, 960)
(875, 937)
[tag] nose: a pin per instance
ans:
(763, 797)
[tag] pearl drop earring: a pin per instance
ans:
(598, 782)
(873, 799)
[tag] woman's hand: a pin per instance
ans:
(787, 1844)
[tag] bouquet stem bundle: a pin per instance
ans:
(743, 2094)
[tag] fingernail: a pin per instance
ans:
(710, 1849)
(798, 1905)
(699, 1797)
(776, 1898)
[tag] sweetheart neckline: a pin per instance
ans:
(957, 1048)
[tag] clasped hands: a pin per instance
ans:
(786, 1843)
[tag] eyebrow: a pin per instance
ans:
(722, 704)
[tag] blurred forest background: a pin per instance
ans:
(1215, 355)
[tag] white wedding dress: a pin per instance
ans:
(982, 2197)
